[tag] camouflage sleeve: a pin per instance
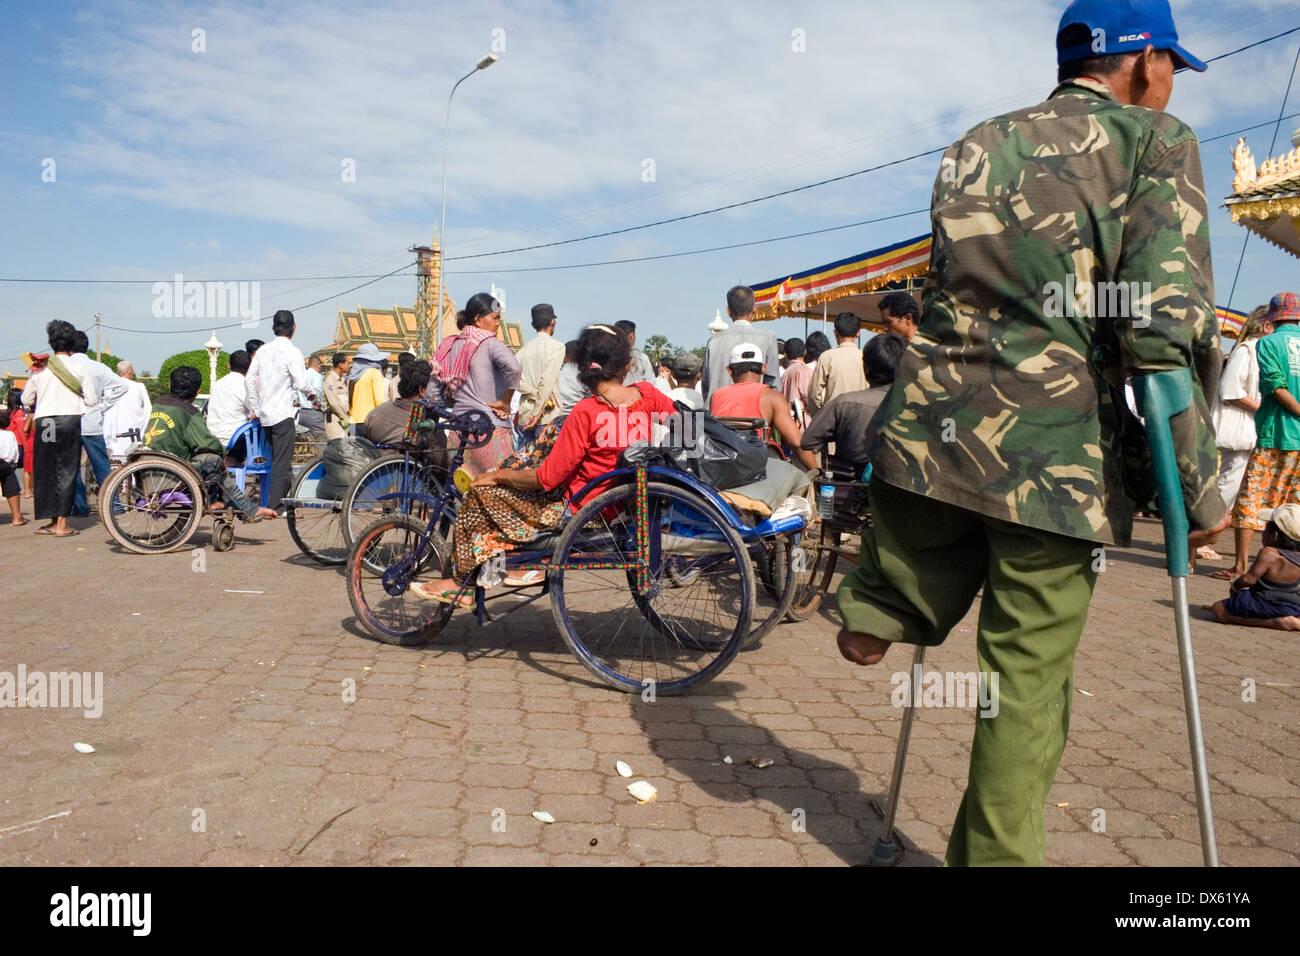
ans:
(1166, 265)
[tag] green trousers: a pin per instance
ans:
(922, 564)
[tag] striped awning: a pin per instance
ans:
(797, 294)
(1230, 321)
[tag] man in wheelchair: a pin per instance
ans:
(748, 397)
(177, 428)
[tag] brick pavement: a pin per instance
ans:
(225, 738)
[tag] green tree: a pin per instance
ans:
(196, 357)
(658, 349)
(109, 360)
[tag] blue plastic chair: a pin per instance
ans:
(257, 460)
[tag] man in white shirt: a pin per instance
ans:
(740, 306)
(228, 403)
(131, 411)
(540, 362)
(276, 373)
(641, 370)
(109, 388)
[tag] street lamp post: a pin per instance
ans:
(213, 348)
(482, 64)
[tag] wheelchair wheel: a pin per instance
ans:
(390, 475)
(820, 558)
(781, 575)
(688, 623)
(388, 555)
(314, 524)
(223, 535)
(152, 505)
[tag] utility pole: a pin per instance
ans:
(98, 353)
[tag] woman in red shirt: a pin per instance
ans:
(506, 509)
(24, 435)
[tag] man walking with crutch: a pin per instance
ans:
(1071, 246)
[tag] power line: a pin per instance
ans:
(704, 212)
(694, 252)
(1271, 146)
(169, 281)
(628, 229)
(1251, 46)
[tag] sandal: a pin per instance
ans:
(1206, 553)
(529, 579)
(421, 589)
(1223, 574)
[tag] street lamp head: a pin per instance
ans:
(487, 61)
(212, 345)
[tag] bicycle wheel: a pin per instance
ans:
(401, 548)
(781, 574)
(314, 522)
(152, 505)
(688, 622)
(367, 499)
(820, 560)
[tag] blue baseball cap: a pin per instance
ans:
(1124, 26)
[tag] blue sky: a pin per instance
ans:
(227, 163)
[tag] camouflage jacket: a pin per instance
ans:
(1071, 246)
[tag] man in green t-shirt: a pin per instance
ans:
(178, 428)
(1272, 478)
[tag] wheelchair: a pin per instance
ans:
(831, 540)
(653, 577)
(154, 502)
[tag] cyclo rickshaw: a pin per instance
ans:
(655, 579)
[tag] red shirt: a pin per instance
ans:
(594, 435)
(739, 401)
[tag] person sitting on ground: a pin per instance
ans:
(846, 421)
(386, 425)
(177, 428)
(505, 509)
(684, 373)
(749, 397)
(1268, 595)
(10, 486)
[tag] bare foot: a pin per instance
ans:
(267, 513)
(19, 524)
(861, 649)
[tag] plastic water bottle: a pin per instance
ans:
(826, 498)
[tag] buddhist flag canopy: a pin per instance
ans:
(1230, 321)
(797, 294)
(867, 272)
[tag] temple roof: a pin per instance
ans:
(1267, 200)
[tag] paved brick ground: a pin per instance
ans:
(231, 704)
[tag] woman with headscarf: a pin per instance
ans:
(508, 508)
(477, 371)
(366, 383)
(60, 394)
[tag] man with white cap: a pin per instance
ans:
(749, 397)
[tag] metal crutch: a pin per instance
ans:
(887, 850)
(1161, 395)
